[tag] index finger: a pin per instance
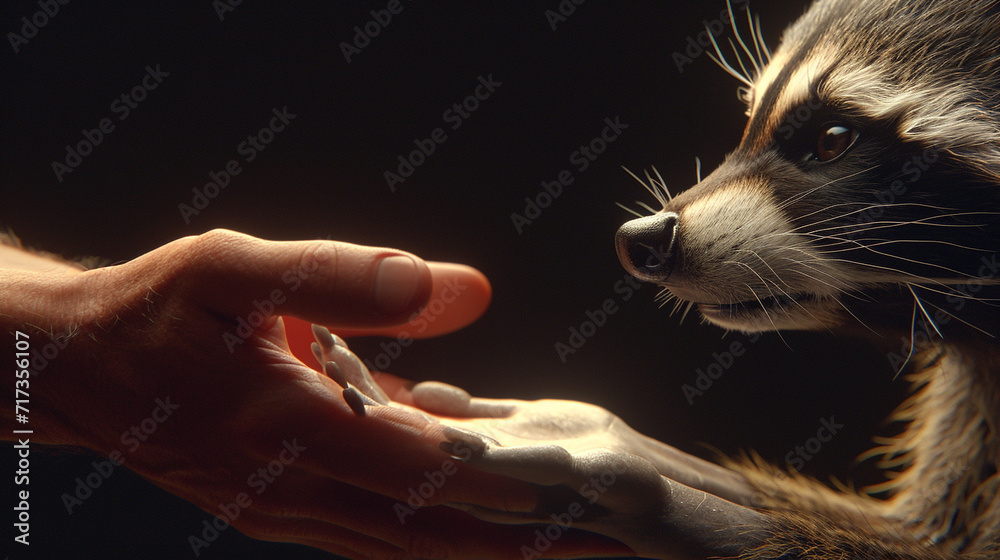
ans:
(459, 295)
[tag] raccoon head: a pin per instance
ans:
(866, 184)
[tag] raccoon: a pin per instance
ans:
(864, 197)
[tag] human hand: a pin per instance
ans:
(176, 364)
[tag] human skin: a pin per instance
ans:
(197, 324)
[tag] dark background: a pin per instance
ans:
(322, 177)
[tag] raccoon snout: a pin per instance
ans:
(647, 246)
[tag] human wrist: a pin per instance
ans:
(39, 313)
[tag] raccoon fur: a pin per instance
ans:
(863, 197)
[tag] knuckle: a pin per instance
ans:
(317, 257)
(214, 241)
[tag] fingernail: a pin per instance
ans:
(395, 285)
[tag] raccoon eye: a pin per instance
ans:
(834, 141)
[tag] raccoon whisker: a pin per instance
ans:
(660, 188)
(768, 315)
(834, 240)
(663, 184)
(645, 207)
(953, 214)
(664, 294)
(928, 242)
(959, 319)
(921, 263)
(809, 234)
(629, 210)
(760, 39)
(853, 230)
(959, 294)
(857, 244)
(649, 187)
(927, 220)
(739, 59)
(805, 264)
(773, 296)
(913, 343)
(677, 305)
(697, 168)
(755, 37)
(901, 275)
(687, 310)
(720, 60)
(856, 318)
(739, 38)
(927, 316)
(870, 207)
(666, 297)
(759, 277)
(687, 305)
(835, 245)
(764, 262)
(797, 302)
(793, 199)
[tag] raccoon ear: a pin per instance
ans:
(834, 140)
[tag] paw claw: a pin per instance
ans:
(332, 370)
(344, 367)
(478, 442)
(354, 400)
(317, 352)
(323, 336)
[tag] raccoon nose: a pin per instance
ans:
(647, 246)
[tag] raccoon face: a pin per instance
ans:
(846, 193)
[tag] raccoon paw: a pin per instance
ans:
(605, 482)
(342, 366)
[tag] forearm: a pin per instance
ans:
(15, 257)
(39, 306)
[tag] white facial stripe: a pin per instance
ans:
(796, 91)
(767, 78)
